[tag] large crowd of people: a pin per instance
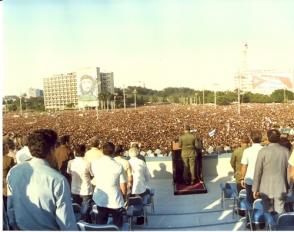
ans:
(154, 127)
(71, 157)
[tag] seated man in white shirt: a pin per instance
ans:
(141, 175)
(110, 186)
(24, 153)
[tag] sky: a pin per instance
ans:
(156, 43)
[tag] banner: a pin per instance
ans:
(272, 80)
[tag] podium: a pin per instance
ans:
(178, 167)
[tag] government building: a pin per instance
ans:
(79, 89)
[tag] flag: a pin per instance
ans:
(212, 133)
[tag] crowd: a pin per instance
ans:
(39, 192)
(155, 127)
(72, 157)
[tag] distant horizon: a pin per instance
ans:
(156, 42)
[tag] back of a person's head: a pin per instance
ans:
(11, 144)
(41, 142)
(285, 143)
(273, 135)
(94, 141)
(133, 152)
(118, 150)
(64, 139)
(80, 150)
(108, 148)
(244, 140)
(187, 128)
(256, 136)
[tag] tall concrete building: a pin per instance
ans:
(78, 89)
(60, 91)
(107, 84)
(32, 92)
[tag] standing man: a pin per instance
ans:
(248, 163)
(187, 144)
(236, 161)
(110, 186)
(270, 175)
(94, 152)
(40, 196)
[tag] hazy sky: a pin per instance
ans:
(160, 43)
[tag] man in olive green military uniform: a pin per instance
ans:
(187, 144)
(236, 161)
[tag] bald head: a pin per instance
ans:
(94, 141)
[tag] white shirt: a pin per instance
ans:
(92, 154)
(23, 155)
(108, 174)
(125, 164)
(79, 169)
(249, 158)
(141, 175)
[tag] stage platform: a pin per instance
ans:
(182, 189)
(190, 212)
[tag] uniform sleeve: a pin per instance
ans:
(65, 217)
(180, 142)
(233, 160)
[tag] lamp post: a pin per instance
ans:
(196, 94)
(20, 105)
(97, 108)
(215, 85)
(239, 99)
(135, 98)
(115, 94)
(124, 93)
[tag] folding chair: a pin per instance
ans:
(228, 192)
(148, 199)
(258, 218)
(77, 211)
(84, 226)
(135, 209)
(285, 221)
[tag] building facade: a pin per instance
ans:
(60, 91)
(32, 92)
(107, 84)
(78, 89)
